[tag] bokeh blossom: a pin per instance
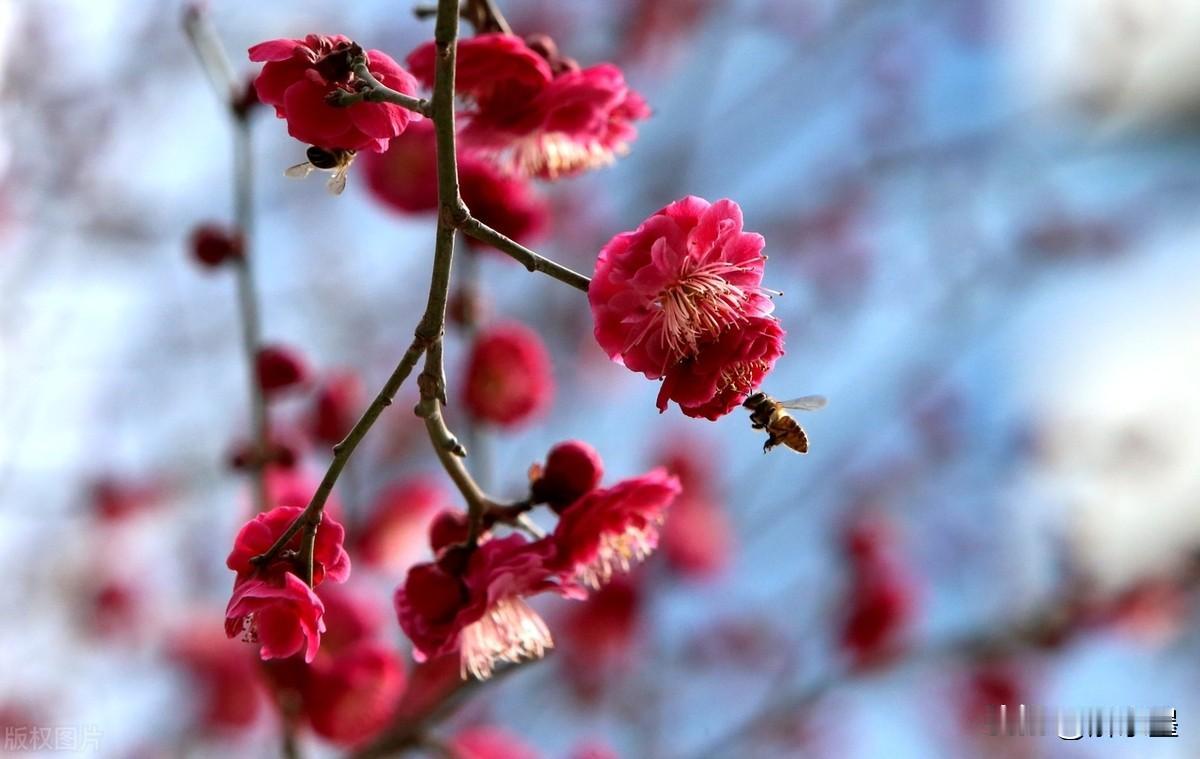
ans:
(508, 378)
(336, 407)
(393, 535)
(404, 178)
(882, 597)
(212, 245)
(280, 368)
(351, 697)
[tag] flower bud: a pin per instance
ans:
(572, 469)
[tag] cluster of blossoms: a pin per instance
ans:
(528, 112)
(471, 598)
(680, 299)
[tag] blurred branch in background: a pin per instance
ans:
(239, 98)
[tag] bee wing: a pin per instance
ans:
(299, 171)
(337, 182)
(806, 403)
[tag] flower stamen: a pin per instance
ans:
(619, 551)
(509, 631)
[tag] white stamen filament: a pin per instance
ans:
(618, 551)
(509, 631)
(701, 303)
(740, 377)
(555, 154)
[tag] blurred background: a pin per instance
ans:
(983, 216)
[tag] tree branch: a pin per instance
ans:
(311, 516)
(532, 261)
(374, 91)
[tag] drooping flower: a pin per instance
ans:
(612, 529)
(487, 67)
(584, 120)
(537, 112)
(298, 77)
(404, 178)
(212, 245)
(350, 698)
(572, 469)
(280, 613)
(271, 605)
(448, 528)
(509, 378)
(280, 368)
(479, 609)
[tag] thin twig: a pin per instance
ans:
(343, 450)
(532, 261)
(374, 91)
(451, 211)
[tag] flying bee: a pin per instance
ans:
(768, 414)
(319, 159)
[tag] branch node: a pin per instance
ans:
(456, 215)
